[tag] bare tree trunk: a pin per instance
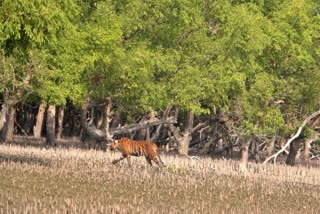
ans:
(108, 119)
(294, 147)
(144, 134)
(28, 122)
(100, 119)
(116, 120)
(156, 133)
(4, 130)
(306, 151)
(219, 143)
(271, 146)
(51, 125)
(151, 117)
(39, 121)
(184, 141)
(3, 115)
(60, 122)
(315, 121)
(307, 142)
(91, 131)
(7, 131)
(12, 117)
(307, 145)
(244, 157)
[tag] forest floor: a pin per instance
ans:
(70, 180)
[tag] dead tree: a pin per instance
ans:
(108, 132)
(304, 123)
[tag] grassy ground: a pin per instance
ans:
(34, 180)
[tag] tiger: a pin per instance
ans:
(136, 148)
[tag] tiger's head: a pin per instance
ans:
(114, 145)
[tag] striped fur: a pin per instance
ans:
(136, 148)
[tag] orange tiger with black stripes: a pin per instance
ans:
(136, 148)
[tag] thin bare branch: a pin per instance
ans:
(294, 137)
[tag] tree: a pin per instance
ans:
(29, 28)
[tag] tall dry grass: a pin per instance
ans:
(36, 180)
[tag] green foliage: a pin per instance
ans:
(32, 24)
(307, 132)
(235, 56)
(39, 32)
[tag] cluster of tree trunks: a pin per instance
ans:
(183, 132)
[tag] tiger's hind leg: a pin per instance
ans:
(149, 160)
(161, 161)
(158, 161)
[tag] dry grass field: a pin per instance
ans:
(38, 180)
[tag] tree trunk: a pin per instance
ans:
(101, 134)
(315, 121)
(28, 122)
(7, 131)
(144, 134)
(116, 120)
(60, 122)
(100, 119)
(244, 157)
(15, 97)
(108, 119)
(306, 151)
(294, 147)
(148, 131)
(304, 123)
(3, 134)
(51, 125)
(155, 135)
(39, 121)
(271, 146)
(184, 141)
(12, 117)
(91, 131)
(3, 116)
(307, 146)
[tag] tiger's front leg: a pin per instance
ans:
(120, 159)
(129, 160)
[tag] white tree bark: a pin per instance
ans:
(3, 115)
(315, 114)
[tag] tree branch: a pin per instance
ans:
(137, 126)
(90, 130)
(101, 134)
(294, 137)
(200, 126)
